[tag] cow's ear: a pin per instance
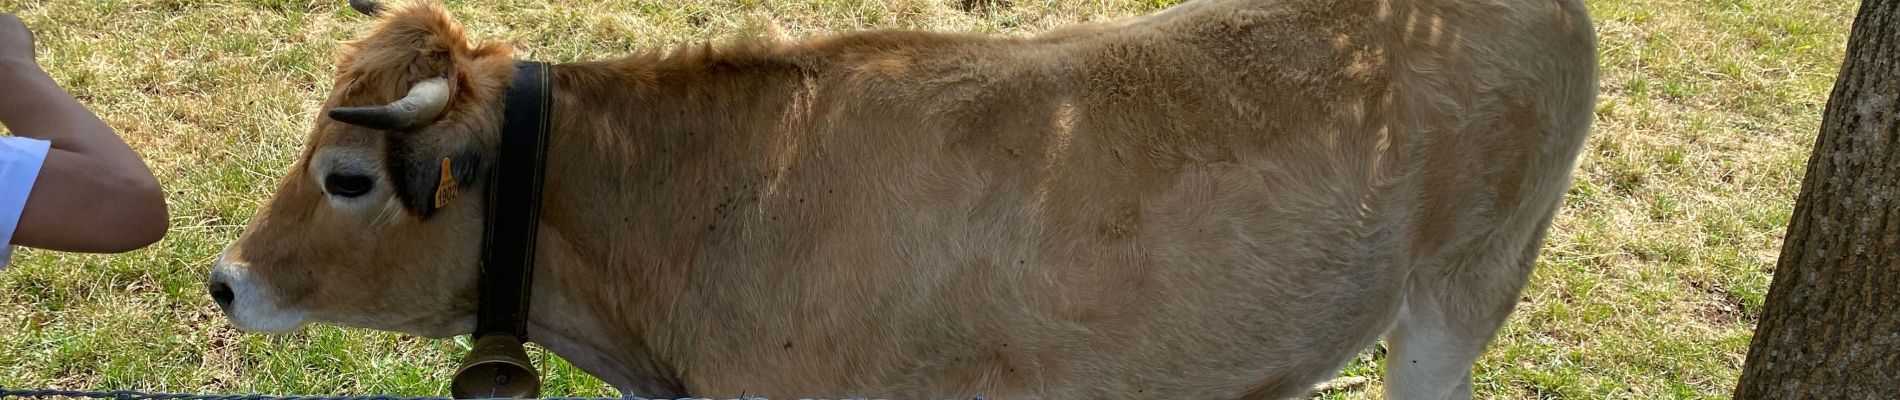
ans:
(433, 165)
(427, 178)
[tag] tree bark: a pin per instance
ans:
(1831, 325)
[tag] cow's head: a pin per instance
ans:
(367, 229)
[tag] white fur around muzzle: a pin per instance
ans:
(254, 308)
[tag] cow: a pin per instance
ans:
(1221, 199)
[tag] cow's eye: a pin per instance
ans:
(347, 185)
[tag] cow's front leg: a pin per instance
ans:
(1450, 313)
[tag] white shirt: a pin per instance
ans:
(20, 159)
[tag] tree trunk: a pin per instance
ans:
(1831, 325)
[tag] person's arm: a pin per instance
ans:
(93, 193)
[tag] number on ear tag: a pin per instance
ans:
(445, 189)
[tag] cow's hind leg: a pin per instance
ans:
(1451, 311)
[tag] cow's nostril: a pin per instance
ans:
(222, 294)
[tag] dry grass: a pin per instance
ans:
(1649, 287)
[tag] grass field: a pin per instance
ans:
(1649, 287)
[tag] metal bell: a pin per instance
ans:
(498, 367)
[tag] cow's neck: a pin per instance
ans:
(575, 324)
(641, 164)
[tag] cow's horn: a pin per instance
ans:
(424, 102)
(367, 7)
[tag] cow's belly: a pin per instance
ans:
(1221, 281)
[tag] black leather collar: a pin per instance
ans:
(514, 203)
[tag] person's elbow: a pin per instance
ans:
(85, 204)
(145, 216)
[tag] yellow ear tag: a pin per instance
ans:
(445, 189)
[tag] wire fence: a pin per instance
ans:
(136, 395)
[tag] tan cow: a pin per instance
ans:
(1226, 199)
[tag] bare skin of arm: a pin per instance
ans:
(93, 194)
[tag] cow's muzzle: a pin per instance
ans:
(250, 305)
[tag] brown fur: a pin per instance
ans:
(1227, 199)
